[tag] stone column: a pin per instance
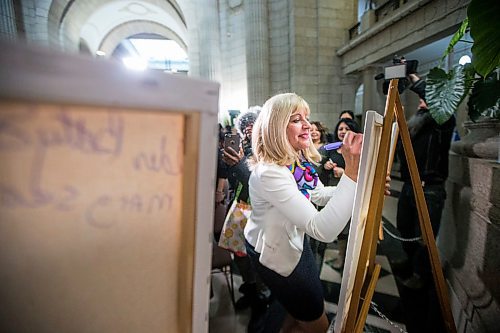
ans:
(370, 95)
(257, 51)
(36, 21)
(8, 28)
(209, 41)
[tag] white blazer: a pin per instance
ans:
(281, 215)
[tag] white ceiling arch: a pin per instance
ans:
(117, 14)
(119, 33)
(90, 21)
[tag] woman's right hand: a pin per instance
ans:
(351, 151)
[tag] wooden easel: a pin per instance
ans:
(368, 271)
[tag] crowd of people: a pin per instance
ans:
(301, 193)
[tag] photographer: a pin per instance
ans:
(255, 293)
(431, 144)
(236, 161)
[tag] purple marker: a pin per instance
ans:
(332, 146)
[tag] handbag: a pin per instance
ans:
(232, 237)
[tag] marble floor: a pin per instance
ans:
(224, 319)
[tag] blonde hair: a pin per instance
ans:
(269, 139)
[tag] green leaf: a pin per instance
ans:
(484, 97)
(456, 38)
(484, 26)
(445, 91)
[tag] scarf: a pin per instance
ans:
(305, 176)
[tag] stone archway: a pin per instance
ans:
(121, 32)
(94, 20)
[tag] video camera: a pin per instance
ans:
(400, 69)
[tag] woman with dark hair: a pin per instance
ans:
(332, 163)
(346, 114)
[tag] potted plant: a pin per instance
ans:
(479, 80)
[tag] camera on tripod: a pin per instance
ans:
(400, 69)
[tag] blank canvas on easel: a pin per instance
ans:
(361, 271)
(368, 160)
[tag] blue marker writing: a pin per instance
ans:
(332, 146)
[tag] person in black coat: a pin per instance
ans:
(431, 143)
(253, 290)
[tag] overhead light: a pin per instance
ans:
(464, 60)
(135, 63)
(100, 53)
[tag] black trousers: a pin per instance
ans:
(409, 226)
(421, 306)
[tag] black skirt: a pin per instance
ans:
(300, 293)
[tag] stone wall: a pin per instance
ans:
(303, 38)
(469, 241)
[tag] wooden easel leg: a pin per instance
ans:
(363, 313)
(424, 219)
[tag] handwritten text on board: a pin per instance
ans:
(68, 159)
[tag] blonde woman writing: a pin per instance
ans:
(283, 185)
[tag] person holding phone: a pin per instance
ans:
(235, 154)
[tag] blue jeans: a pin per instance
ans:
(409, 226)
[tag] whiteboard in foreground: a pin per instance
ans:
(104, 194)
(371, 143)
(90, 223)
